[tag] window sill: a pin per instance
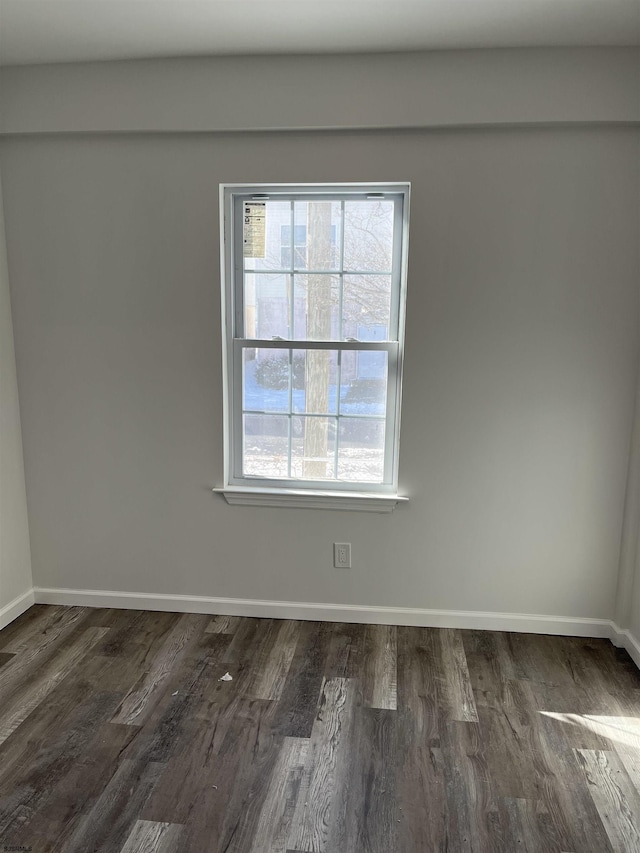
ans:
(307, 499)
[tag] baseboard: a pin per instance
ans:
(522, 622)
(624, 639)
(16, 608)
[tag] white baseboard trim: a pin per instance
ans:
(523, 622)
(16, 608)
(623, 638)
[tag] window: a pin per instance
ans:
(314, 284)
(300, 245)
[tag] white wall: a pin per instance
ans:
(627, 614)
(629, 618)
(522, 338)
(634, 623)
(522, 350)
(15, 558)
(437, 89)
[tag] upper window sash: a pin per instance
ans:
(234, 209)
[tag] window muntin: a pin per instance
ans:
(313, 324)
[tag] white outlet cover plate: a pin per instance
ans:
(342, 555)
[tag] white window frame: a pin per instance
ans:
(240, 489)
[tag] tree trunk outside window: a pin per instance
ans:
(316, 440)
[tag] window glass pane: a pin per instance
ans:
(316, 300)
(366, 307)
(299, 245)
(313, 448)
(315, 379)
(266, 446)
(368, 235)
(317, 235)
(265, 380)
(361, 450)
(363, 385)
(264, 240)
(267, 305)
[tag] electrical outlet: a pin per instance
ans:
(342, 555)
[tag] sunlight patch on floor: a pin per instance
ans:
(622, 730)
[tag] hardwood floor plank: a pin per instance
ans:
(57, 720)
(346, 650)
(223, 625)
(248, 650)
(528, 828)
(107, 824)
(421, 778)
(422, 799)
(259, 654)
(245, 641)
(136, 634)
(433, 679)
(489, 664)
(39, 652)
(38, 613)
(297, 707)
(615, 798)
(274, 823)
(128, 651)
(75, 787)
(188, 691)
(417, 670)
(44, 628)
(199, 760)
(137, 702)
(458, 684)
(217, 785)
(16, 809)
(600, 667)
(272, 674)
(110, 617)
(507, 730)
(473, 822)
(321, 791)
(563, 788)
(25, 701)
(579, 730)
(5, 658)
(371, 814)
(252, 781)
(630, 760)
(158, 739)
(624, 734)
(618, 731)
(35, 764)
(380, 667)
(151, 837)
(543, 659)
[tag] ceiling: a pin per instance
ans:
(41, 31)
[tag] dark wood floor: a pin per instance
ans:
(117, 734)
